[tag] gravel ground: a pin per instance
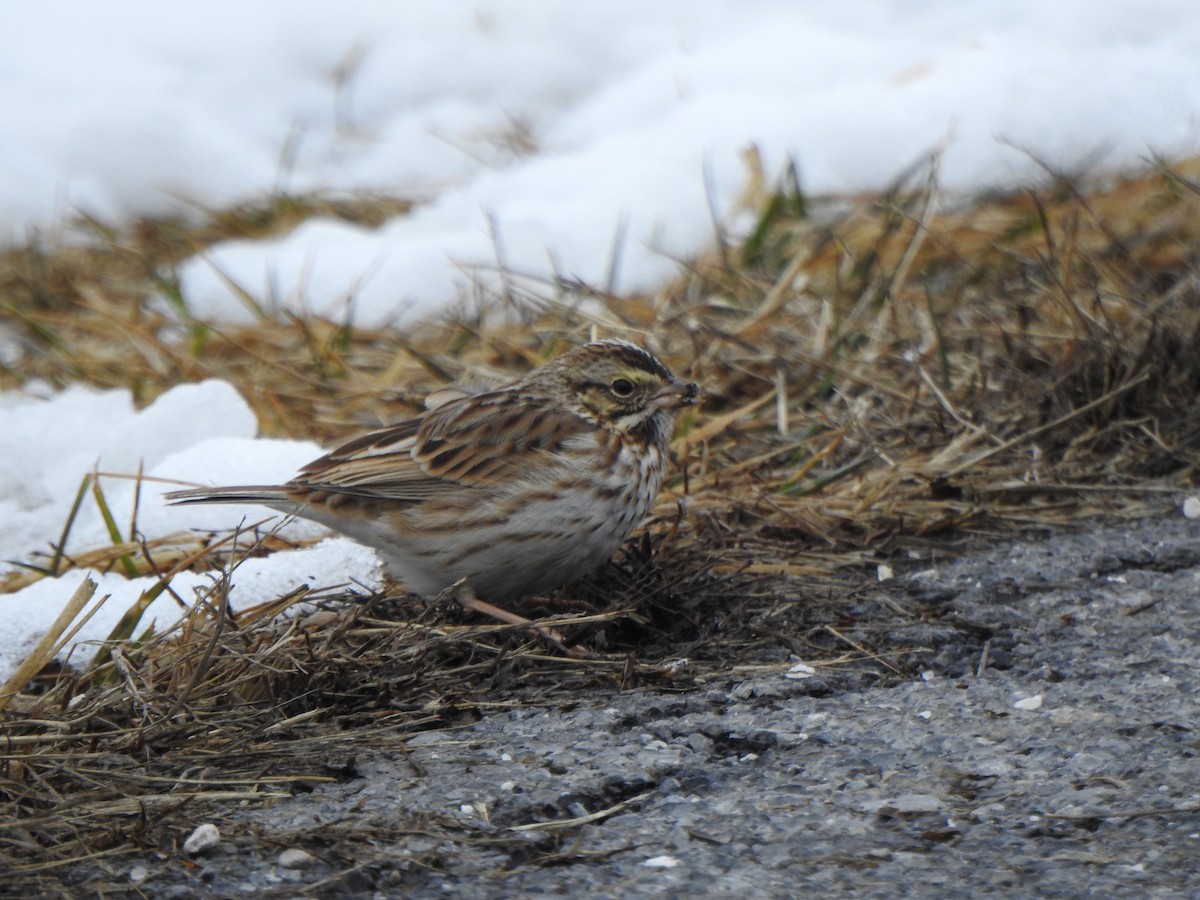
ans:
(1056, 759)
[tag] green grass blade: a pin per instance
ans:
(114, 533)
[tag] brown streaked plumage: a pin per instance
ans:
(518, 489)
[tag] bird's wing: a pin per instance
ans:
(481, 440)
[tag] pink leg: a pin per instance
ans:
(467, 600)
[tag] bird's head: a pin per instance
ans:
(618, 384)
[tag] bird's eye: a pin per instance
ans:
(622, 387)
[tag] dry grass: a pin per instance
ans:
(879, 372)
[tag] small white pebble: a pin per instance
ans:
(925, 714)
(661, 862)
(295, 858)
(1191, 508)
(138, 874)
(467, 809)
(508, 786)
(884, 573)
(799, 671)
(505, 757)
(204, 837)
(1034, 702)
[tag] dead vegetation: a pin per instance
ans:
(880, 371)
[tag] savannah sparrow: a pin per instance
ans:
(517, 490)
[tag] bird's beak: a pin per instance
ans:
(675, 394)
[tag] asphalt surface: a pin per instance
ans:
(1055, 757)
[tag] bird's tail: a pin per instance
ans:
(250, 493)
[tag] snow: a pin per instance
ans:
(549, 138)
(195, 434)
(29, 612)
(540, 134)
(202, 433)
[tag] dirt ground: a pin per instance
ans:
(1047, 747)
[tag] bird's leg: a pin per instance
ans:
(463, 593)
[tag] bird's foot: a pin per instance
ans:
(466, 598)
